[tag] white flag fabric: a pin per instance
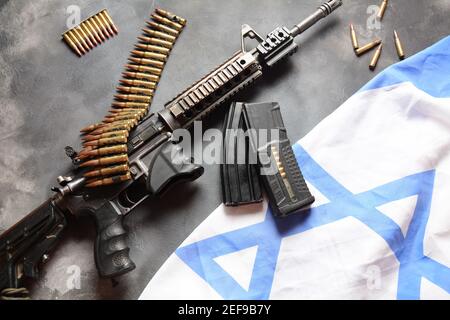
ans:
(379, 167)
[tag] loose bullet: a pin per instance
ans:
(157, 34)
(145, 91)
(110, 20)
(360, 51)
(151, 55)
(133, 97)
(353, 37)
(102, 27)
(149, 47)
(152, 70)
(156, 41)
(174, 25)
(85, 37)
(149, 62)
(399, 46)
(126, 105)
(171, 16)
(105, 161)
(382, 10)
(72, 44)
(89, 33)
(138, 75)
(105, 23)
(94, 31)
(138, 83)
(376, 57)
(163, 28)
(97, 28)
(123, 168)
(108, 181)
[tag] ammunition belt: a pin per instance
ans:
(105, 143)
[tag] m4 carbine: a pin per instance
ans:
(153, 168)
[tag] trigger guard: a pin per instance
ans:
(168, 168)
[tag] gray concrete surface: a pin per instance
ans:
(47, 94)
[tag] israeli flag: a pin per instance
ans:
(379, 168)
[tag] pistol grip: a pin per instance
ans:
(111, 251)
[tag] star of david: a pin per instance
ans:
(267, 235)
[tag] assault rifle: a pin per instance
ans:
(151, 154)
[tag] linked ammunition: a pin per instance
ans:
(131, 116)
(104, 151)
(92, 137)
(108, 181)
(89, 33)
(157, 34)
(152, 70)
(93, 30)
(108, 171)
(138, 75)
(92, 127)
(354, 38)
(97, 28)
(382, 10)
(151, 55)
(123, 158)
(149, 62)
(136, 90)
(130, 105)
(106, 141)
(149, 47)
(107, 129)
(399, 46)
(163, 28)
(71, 44)
(139, 83)
(376, 57)
(155, 41)
(360, 51)
(110, 20)
(101, 25)
(126, 111)
(171, 16)
(174, 25)
(133, 97)
(105, 24)
(85, 37)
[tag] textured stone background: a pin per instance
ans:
(47, 94)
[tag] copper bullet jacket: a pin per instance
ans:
(92, 127)
(77, 34)
(376, 57)
(123, 168)
(138, 75)
(77, 43)
(360, 51)
(151, 55)
(167, 22)
(127, 110)
(101, 26)
(85, 37)
(105, 161)
(139, 83)
(105, 24)
(97, 28)
(136, 90)
(84, 47)
(89, 33)
(149, 47)
(152, 70)
(156, 41)
(171, 16)
(382, 10)
(148, 62)
(353, 37)
(110, 20)
(122, 118)
(399, 46)
(163, 28)
(72, 45)
(108, 181)
(107, 151)
(158, 34)
(133, 97)
(107, 129)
